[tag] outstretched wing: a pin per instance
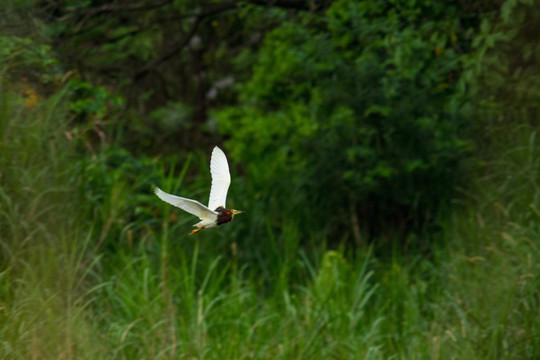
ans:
(221, 179)
(191, 206)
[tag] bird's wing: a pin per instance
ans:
(221, 179)
(191, 206)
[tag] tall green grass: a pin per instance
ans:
(44, 265)
(94, 266)
(492, 283)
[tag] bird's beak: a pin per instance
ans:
(236, 211)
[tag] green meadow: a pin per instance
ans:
(320, 266)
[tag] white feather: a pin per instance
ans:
(221, 179)
(191, 206)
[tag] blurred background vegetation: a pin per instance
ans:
(385, 154)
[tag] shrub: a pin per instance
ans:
(355, 111)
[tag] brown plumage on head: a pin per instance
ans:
(224, 215)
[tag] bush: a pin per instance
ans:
(356, 112)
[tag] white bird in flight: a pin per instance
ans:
(221, 179)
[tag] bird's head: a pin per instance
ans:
(229, 212)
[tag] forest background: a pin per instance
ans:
(385, 154)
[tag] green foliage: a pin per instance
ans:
(161, 56)
(44, 267)
(18, 53)
(496, 67)
(500, 74)
(89, 100)
(497, 243)
(29, 69)
(356, 109)
(93, 265)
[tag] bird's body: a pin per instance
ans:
(215, 213)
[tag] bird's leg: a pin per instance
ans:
(196, 231)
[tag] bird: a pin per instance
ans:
(215, 213)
